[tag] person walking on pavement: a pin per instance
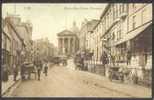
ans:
(22, 71)
(82, 60)
(39, 68)
(15, 70)
(104, 60)
(45, 69)
(128, 57)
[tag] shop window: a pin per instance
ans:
(113, 36)
(116, 9)
(120, 34)
(134, 22)
(107, 20)
(114, 15)
(123, 8)
(8, 46)
(143, 16)
(120, 8)
(5, 42)
(109, 16)
(105, 23)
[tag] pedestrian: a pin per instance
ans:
(113, 59)
(5, 75)
(22, 71)
(104, 60)
(39, 68)
(48, 64)
(45, 69)
(15, 71)
(128, 57)
(82, 61)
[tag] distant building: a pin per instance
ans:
(84, 35)
(43, 49)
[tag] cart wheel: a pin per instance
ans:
(110, 77)
(23, 77)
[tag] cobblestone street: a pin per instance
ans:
(63, 81)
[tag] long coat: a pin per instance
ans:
(104, 59)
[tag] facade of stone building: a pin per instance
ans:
(67, 43)
(12, 43)
(84, 35)
(124, 34)
(16, 38)
(95, 42)
(42, 49)
(6, 45)
(125, 28)
(25, 30)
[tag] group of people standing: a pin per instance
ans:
(38, 68)
(79, 61)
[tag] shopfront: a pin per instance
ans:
(141, 47)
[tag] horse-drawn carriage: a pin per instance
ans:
(27, 69)
(115, 73)
(79, 62)
(63, 59)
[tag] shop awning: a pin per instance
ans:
(133, 33)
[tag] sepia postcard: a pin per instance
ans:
(76, 50)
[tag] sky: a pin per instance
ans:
(50, 19)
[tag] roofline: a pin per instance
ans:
(90, 22)
(15, 32)
(96, 25)
(103, 13)
(105, 10)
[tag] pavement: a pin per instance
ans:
(67, 82)
(7, 86)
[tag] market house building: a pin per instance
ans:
(67, 43)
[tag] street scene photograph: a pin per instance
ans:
(76, 50)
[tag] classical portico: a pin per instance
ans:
(67, 42)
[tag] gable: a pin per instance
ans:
(66, 33)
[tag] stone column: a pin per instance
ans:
(69, 44)
(63, 43)
(74, 45)
(59, 45)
